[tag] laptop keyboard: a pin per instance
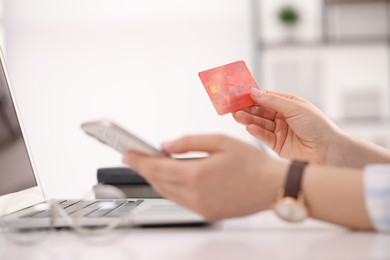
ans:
(88, 208)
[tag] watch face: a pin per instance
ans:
(290, 210)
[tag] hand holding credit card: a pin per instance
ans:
(229, 86)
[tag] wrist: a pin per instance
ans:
(345, 150)
(339, 145)
(274, 180)
(290, 204)
(354, 152)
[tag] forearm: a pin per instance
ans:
(349, 151)
(336, 195)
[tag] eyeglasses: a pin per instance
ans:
(93, 220)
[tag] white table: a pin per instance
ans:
(261, 236)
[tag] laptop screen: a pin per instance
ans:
(16, 173)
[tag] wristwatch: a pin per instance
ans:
(290, 203)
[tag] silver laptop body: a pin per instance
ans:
(19, 179)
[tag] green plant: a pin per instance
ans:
(288, 15)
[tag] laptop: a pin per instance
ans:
(19, 179)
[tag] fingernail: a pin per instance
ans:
(256, 92)
(166, 145)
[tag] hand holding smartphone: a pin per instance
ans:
(118, 138)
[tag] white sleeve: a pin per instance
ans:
(377, 195)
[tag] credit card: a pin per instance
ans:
(229, 86)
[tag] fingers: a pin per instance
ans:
(246, 118)
(265, 136)
(153, 168)
(260, 111)
(166, 169)
(269, 103)
(196, 143)
(286, 95)
(176, 180)
(173, 192)
(281, 104)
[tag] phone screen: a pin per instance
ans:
(117, 138)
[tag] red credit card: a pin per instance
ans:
(229, 86)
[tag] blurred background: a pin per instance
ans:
(137, 62)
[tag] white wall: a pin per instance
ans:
(323, 73)
(349, 80)
(137, 63)
(133, 61)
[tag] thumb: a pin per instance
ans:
(287, 106)
(195, 143)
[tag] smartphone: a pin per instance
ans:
(118, 138)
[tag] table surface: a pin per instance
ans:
(260, 236)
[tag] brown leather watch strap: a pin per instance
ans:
(294, 177)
